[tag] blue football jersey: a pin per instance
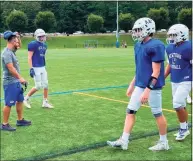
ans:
(180, 61)
(146, 53)
(39, 51)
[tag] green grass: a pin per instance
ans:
(78, 41)
(79, 120)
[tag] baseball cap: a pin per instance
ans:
(8, 34)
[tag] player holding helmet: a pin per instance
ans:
(147, 84)
(36, 60)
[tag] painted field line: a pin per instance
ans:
(125, 102)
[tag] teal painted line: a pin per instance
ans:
(80, 90)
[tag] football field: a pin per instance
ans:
(88, 90)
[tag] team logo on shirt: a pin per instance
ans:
(173, 58)
(42, 50)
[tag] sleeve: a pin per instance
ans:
(188, 53)
(31, 47)
(157, 53)
(7, 58)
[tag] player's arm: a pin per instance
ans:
(167, 71)
(32, 72)
(156, 69)
(14, 72)
(131, 88)
(30, 54)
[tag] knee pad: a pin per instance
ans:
(45, 84)
(179, 108)
(131, 111)
(156, 111)
(38, 85)
(158, 114)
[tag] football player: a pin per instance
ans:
(36, 60)
(179, 52)
(146, 86)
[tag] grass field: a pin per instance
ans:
(87, 88)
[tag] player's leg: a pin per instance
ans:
(10, 96)
(155, 102)
(38, 86)
(44, 78)
(179, 104)
(132, 108)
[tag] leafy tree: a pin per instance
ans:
(45, 20)
(126, 21)
(17, 21)
(160, 16)
(95, 22)
(185, 17)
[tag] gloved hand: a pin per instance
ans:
(32, 72)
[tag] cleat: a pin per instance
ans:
(47, 105)
(182, 133)
(160, 146)
(119, 143)
(26, 103)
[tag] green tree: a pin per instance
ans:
(45, 20)
(160, 16)
(126, 21)
(95, 23)
(185, 17)
(17, 21)
(29, 8)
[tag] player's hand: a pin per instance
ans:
(130, 90)
(22, 81)
(32, 72)
(145, 96)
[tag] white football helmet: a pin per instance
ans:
(177, 33)
(40, 35)
(142, 28)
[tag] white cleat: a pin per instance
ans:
(46, 105)
(161, 145)
(181, 135)
(119, 143)
(189, 100)
(26, 103)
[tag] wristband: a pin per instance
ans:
(152, 82)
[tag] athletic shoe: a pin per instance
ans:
(26, 103)
(182, 133)
(161, 145)
(47, 105)
(7, 127)
(23, 122)
(119, 143)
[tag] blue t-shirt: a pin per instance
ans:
(179, 59)
(39, 51)
(146, 53)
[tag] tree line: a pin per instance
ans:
(89, 16)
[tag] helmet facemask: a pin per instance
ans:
(142, 28)
(137, 34)
(177, 33)
(41, 38)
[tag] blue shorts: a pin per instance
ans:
(13, 93)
